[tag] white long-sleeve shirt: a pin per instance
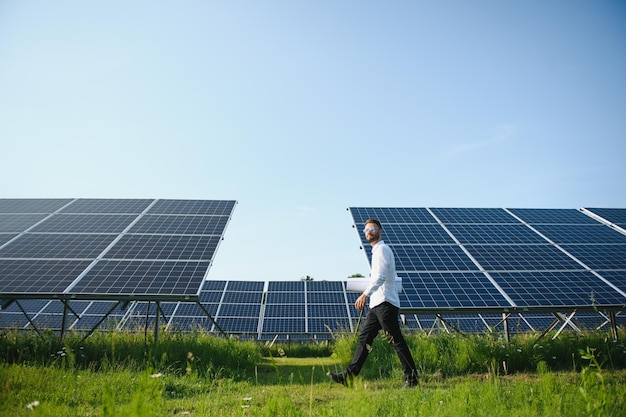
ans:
(383, 277)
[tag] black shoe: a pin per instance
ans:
(410, 383)
(338, 378)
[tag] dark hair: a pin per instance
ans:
(376, 222)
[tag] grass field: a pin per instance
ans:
(122, 375)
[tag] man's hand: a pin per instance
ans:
(361, 302)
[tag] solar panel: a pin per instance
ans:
(553, 216)
(19, 222)
(108, 248)
(599, 256)
(612, 215)
(31, 205)
(491, 257)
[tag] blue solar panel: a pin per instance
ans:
(143, 278)
(612, 215)
(284, 310)
(164, 247)
(5, 237)
(473, 215)
(85, 223)
(431, 258)
(617, 278)
(599, 256)
(239, 324)
(521, 257)
(239, 310)
(284, 325)
(186, 225)
(557, 288)
(414, 234)
(29, 206)
(553, 216)
(494, 234)
(391, 215)
(158, 247)
(241, 297)
(19, 222)
(68, 246)
(250, 286)
(293, 286)
(329, 324)
(199, 207)
(586, 234)
(514, 243)
(326, 298)
(25, 276)
(100, 206)
(454, 289)
(283, 297)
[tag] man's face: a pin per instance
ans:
(372, 232)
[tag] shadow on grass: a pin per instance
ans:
(299, 371)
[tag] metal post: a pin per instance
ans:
(505, 322)
(613, 325)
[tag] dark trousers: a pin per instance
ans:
(384, 316)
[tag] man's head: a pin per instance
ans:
(373, 231)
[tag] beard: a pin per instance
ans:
(374, 236)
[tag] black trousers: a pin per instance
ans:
(384, 316)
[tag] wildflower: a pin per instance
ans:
(32, 405)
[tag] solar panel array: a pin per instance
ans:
(481, 258)
(108, 248)
(452, 260)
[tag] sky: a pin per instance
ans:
(300, 109)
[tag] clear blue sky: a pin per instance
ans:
(300, 109)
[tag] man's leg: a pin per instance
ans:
(366, 338)
(388, 315)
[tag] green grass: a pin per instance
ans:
(199, 375)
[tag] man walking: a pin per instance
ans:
(384, 303)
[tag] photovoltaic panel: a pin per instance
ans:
(521, 257)
(5, 237)
(284, 297)
(527, 246)
(494, 234)
(430, 258)
(391, 215)
(176, 224)
(553, 216)
(164, 247)
(85, 223)
(68, 246)
(31, 205)
(242, 297)
(198, 207)
(246, 286)
(599, 256)
(101, 206)
(584, 234)
(612, 215)
(25, 277)
(166, 254)
(156, 278)
(286, 286)
(557, 288)
(617, 278)
(473, 215)
(454, 289)
(406, 234)
(19, 222)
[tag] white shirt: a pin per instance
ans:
(383, 277)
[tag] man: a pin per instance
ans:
(384, 304)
